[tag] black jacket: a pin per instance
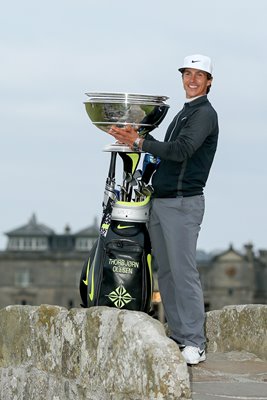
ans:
(187, 151)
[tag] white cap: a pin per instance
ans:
(197, 61)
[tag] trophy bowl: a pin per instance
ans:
(143, 112)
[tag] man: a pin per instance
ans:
(177, 206)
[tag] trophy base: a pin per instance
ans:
(119, 148)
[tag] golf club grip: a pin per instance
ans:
(112, 165)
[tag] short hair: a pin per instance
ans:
(209, 76)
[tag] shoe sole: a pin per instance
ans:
(201, 359)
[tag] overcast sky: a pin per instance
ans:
(52, 52)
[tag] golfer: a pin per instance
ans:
(177, 205)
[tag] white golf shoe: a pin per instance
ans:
(193, 355)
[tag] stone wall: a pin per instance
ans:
(237, 328)
(50, 353)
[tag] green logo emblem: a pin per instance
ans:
(120, 297)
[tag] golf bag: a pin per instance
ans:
(118, 272)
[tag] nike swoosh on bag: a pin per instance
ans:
(125, 226)
(92, 291)
(87, 272)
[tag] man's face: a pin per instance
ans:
(195, 82)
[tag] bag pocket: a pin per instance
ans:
(122, 283)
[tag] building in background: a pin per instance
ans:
(40, 266)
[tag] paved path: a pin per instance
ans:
(234, 375)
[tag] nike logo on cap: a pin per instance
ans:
(193, 61)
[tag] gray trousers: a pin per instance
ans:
(174, 226)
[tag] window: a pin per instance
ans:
(84, 244)
(28, 243)
(22, 278)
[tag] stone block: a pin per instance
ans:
(48, 352)
(238, 328)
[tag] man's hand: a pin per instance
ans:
(125, 135)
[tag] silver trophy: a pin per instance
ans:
(143, 112)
